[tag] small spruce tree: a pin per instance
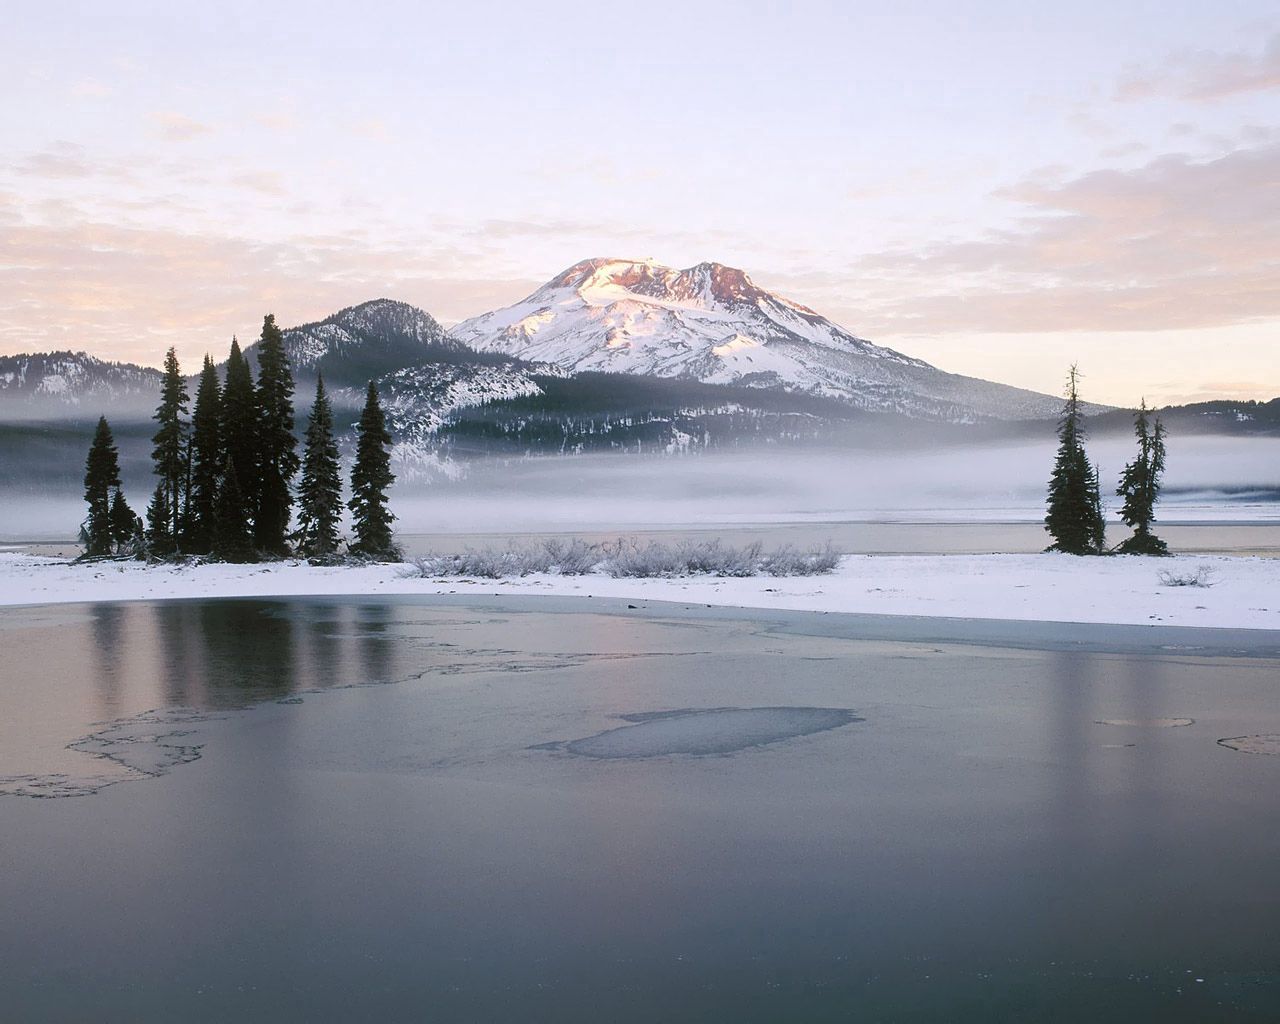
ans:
(161, 543)
(206, 460)
(239, 439)
(320, 490)
(277, 447)
(1074, 516)
(1140, 486)
(232, 532)
(124, 523)
(169, 446)
(101, 473)
(370, 477)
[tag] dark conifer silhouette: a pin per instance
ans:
(232, 534)
(277, 447)
(125, 524)
(239, 430)
(370, 477)
(169, 451)
(1074, 517)
(1140, 486)
(161, 542)
(206, 460)
(101, 474)
(320, 491)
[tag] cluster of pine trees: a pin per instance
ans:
(224, 476)
(1075, 516)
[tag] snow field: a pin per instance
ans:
(1245, 591)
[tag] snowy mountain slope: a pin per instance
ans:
(362, 342)
(711, 323)
(71, 384)
(417, 399)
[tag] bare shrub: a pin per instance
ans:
(575, 558)
(629, 558)
(790, 561)
(486, 563)
(711, 558)
(1201, 576)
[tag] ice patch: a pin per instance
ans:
(142, 747)
(1267, 743)
(1151, 723)
(705, 731)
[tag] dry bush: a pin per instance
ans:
(1201, 576)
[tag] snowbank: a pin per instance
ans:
(1052, 588)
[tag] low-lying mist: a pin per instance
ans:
(1208, 477)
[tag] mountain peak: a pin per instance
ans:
(602, 280)
(364, 341)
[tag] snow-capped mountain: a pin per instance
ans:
(362, 342)
(67, 383)
(711, 323)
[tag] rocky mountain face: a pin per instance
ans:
(70, 384)
(363, 342)
(711, 323)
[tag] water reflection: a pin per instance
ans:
(108, 638)
(376, 640)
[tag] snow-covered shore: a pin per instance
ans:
(1049, 588)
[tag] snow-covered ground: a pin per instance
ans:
(1245, 591)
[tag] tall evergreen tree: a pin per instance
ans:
(101, 473)
(206, 460)
(169, 449)
(239, 430)
(232, 531)
(320, 491)
(124, 522)
(1074, 515)
(161, 542)
(1140, 486)
(370, 477)
(277, 447)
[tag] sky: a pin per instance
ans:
(1000, 188)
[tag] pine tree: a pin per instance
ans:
(1140, 486)
(169, 451)
(1075, 515)
(124, 522)
(370, 477)
(277, 447)
(101, 473)
(232, 533)
(1097, 513)
(320, 491)
(161, 543)
(239, 437)
(206, 460)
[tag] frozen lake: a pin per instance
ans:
(564, 809)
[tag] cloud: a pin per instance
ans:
(89, 88)
(1172, 244)
(69, 161)
(57, 160)
(128, 293)
(1207, 391)
(505, 229)
(178, 127)
(1206, 76)
(268, 183)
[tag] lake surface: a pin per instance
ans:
(580, 810)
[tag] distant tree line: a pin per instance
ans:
(224, 475)
(1075, 515)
